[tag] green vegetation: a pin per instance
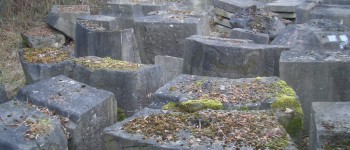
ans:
(193, 105)
(120, 114)
(45, 55)
(106, 63)
(38, 128)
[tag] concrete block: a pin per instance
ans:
(172, 66)
(132, 84)
(335, 2)
(303, 11)
(107, 22)
(96, 40)
(236, 5)
(63, 17)
(90, 110)
(25, 127)
(43, 63)
(284, 5)
(259, 38)
(317, 76)
(330, 125)
(318, 34)
(165, 34)
(177, 133)
(337, 13)
(3, 93)
(230, 58)
(43, 36)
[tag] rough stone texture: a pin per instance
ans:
(102, 42)
(172, 66)
(317, 76)
(107, 22)
(14, 117)
(259, 38)
(115, 138)
(284, 5)
(318, 34)
(230, 58)
(337, 13)
(330, 125)
(165, 34)
(35, 72)
(334, 2)
(125, 13)
(3, 93)
(43, 37)
(90, 110)
(132, 89)
(63, 17)
(303, 11)
(258, 20)
(236, 5)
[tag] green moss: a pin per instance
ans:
(280, 143)
(120, 114)
(44, 55)
(193, 105)
(173, 88)
(338, 145)
(106, 63)
(199, 82)
(244, 108)
(284, 89)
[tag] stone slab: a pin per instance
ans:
(236, 5)
(230, 58)
(317, 76)
(63, 17)
(335, 2)
(43, 37)
(116, 137)
(165, 34)
(337, 13)
(284, 5)
(303, 11)
(3, 94)
(330, 125)
(259, 38)
(90, 109)
(223, 13)
(172, 66)
(24, 127)
(107, 22)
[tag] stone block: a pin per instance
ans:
(330, 125)
(334, 2)
(156, 129)
(230, 58)
(318, 34)
(317, 76)
(90, 110)
(132, 84)
(303, 11)
(236, 5)
(165, 34)
(107, 22)
(43, 36)
(96, 40)
(259, 38)
(3, 94)
(337, 13)
(172, 66)
(24, 126)
(63, 17)
(284, 5)
(43, 63)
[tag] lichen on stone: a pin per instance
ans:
(194, 105)
(106, 63)
(38, 128)
(45, 55)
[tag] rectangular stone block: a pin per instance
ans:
(230, 58)
(63, 17)
(132, 84)
(43, 36)
(317, 76)
(303, 11)
(96, 40)
(259, 38)
(236, 5)
(337, 13)
(3, 94)
(23, 126)
(172, 66)
(330, 123)
(284, 5)
(165, 34)
(107, 22)
(90, 110)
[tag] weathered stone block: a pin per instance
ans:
(156, 129)
(96, 40)
(24, 127)
(172, 66)
(230, 58)
(107, 22)
(3, 93)
(90, 110)
(132, 84)
(284, 5)
(43, 37)
(165, 34)
(330, 125)
(317, 76)
(235, 6)
(63, 17)
(318, 34)
(44, 63)
(259, 38)
(337, 13)
(303, 11)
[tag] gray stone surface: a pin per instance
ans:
(165, 34)
(230, 58)
(3, 93)
(43, 37)
(116, 138)
(107, 22)
(172, 66)
(133, 90)
(63, 17)
(14, 118)
(94, 40)
(337, 13)
(318, 34)
(90, 110)
(330, 125)
(303, 11)
(35, 72)
(284, 5)
(317, 76)
(236, 5)
(259, 38)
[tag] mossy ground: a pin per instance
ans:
(106, 63)
(45, 55)
(194, 105)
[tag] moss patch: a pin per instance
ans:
(45, 55)
(194, 105)
(120, 114)
(38, 128)
(338, 145)
(106, 63)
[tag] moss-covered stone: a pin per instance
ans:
(338, 145)
(120, 114)
(45, 55)
(38, 128)
(194, 105)
(106, 63)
